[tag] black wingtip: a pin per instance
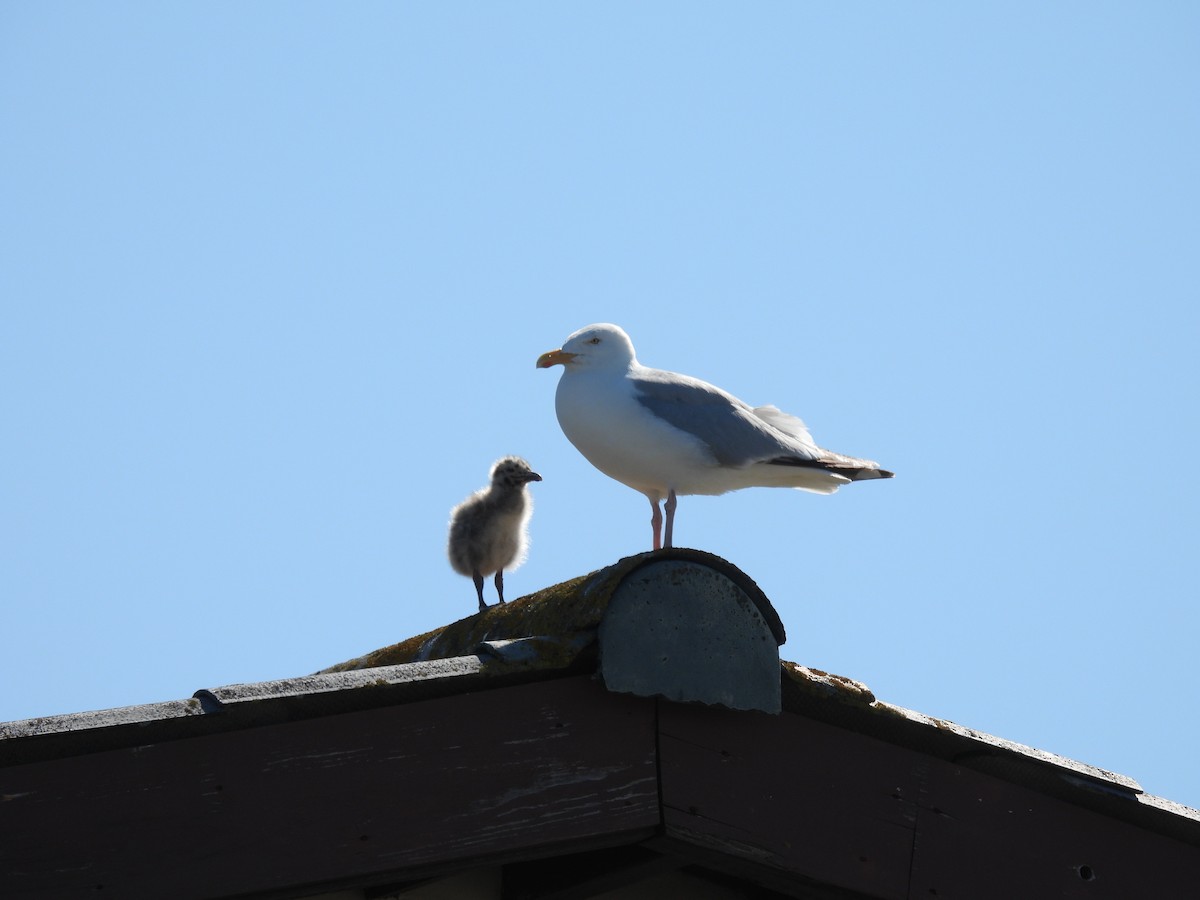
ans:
(854, 473)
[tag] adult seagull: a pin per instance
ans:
(667, 434)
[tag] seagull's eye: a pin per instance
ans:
(594, 340)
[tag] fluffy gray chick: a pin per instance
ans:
(487, 530)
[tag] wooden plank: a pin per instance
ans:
(834, 808)
(789, 794)
(987, 839)
(338, 800)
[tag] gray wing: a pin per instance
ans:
(730, 429)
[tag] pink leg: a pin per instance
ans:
(656, 523)
(670, 505)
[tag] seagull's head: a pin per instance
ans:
(596, 346)
(512, 471)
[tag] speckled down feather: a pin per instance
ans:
(489, 530)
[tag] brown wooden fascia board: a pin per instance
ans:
(518, 773)
(359, 798)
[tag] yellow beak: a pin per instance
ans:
(554, 358)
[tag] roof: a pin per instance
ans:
(636, 720)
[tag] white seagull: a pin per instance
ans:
(666, 434)
(488, 529)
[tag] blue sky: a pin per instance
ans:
(274, 277)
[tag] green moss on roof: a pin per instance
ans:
(561, 610)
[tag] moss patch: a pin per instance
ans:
(561, 610)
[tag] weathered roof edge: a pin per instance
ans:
(833, 699)
(817, 687)
(572, 607)
(231, 707)
(850, 704)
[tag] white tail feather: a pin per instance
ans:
(790, 425)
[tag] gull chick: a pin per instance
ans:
(666, 434)
(488, 529)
